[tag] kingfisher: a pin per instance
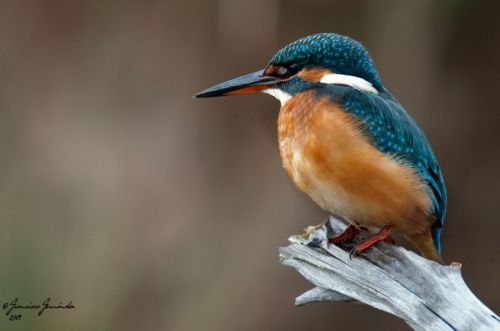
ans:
(348, 143)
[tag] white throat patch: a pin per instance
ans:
(353, 81)
(283, 97)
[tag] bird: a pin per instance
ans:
(347, 142)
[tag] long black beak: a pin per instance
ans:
(254, 82)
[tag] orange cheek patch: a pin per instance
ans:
(313, 75)
(271, 71)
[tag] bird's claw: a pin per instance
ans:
(354, 251)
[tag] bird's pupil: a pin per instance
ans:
(293, 68)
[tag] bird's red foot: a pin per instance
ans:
(383, 234)
(349, 233)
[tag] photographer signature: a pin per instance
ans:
(13, 309)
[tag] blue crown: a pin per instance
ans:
(340, 54)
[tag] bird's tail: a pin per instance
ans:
(425, 244)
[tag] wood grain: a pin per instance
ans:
(427, 295)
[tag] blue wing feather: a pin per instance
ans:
(395, 133)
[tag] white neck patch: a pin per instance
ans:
(353, 81)
(283, 97)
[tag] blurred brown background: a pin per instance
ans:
(154, 211)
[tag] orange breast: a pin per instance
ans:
(327, 157)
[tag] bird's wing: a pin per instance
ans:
(395, 133)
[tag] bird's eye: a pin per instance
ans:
(282, 71)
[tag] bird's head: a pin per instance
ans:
(324, 58)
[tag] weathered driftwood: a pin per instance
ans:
(427, 295)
